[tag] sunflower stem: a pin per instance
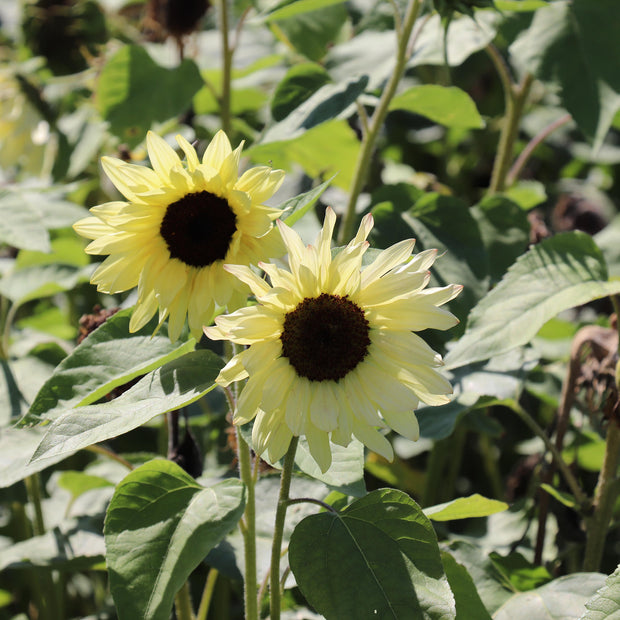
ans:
(276, 548)
(376, 121)
(227, 56)
(249, 529)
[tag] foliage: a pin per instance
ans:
(486, 130)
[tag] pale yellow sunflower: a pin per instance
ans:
(332, 351)
(178, 228)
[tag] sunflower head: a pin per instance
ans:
(333, 352)
(180, 223)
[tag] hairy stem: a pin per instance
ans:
(227, 55)
(207, 594)
(183, 603)
(276, 548)
(376, 122)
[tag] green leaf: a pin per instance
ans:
(605, 604)
(160, 525)
(295, 208)
(313, 26)
(77, 482)
(324, 105)
(518, 573)
(527, 194)
(328, 149)
(448, 106)
(520, 6)
(468, 602)
(41, 281)
(574, 45)
(177, 384)
(561, 272)
(564, 498)
(562, 599)
(377, 558)
(299, 84)
(133, 92)
(298, 8)
(505, 232)
(20, 226)
(73, 544)
(465, 508)
(109, 357)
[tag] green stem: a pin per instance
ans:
(376, 122)
(248, 530)
(183, 603)
(207, 595)
(227, 55)
(515, 97)
(98, 449)
(33, 488)
(276, 549)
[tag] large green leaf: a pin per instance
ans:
(299, 7)
(574, 45)
(160, 525)
(21, 226)
(449, 106)
(562, 272)
(133, 92)
(327, 149)
(562, 599)
(109, 357)
(324, 105)
(175, 385)
(605, 604)
(377, 558)
(295, 208)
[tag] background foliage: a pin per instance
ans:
(499, 146)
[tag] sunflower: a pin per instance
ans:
(332, 353)
(178, 228)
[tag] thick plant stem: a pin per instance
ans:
(248, 530)
(276, 549)
(227, 55)
(376, 122)
(604, 499)
(183, 603)
(515, 97)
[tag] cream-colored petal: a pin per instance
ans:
(323, 242)
(190, 153)
(260, 182)
(233, 371)
(92, 228)
(440, 296)
(257, 285)
(295, 246)
(249, 325)
(261, 354)
(130, 179)
(374, 440)
(411, 314)
(250, 398)
(422, 261)
(318, 443)
(177, 314)
(385, 389)
(172, 279)
(216, 152)
(361, 406)
(388, 259)
(278, 386)
(162, 156)
(143, 312)
(391, 287)
(296, 412)
(279, 442)
(324, 406)
(405, 347)
(404, 423)
(363, 231)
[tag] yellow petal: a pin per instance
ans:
(218, 149)
(190, 153)
(318, 443)
(162, 156)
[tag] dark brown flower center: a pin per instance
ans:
(325, 337)
(198, 228)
